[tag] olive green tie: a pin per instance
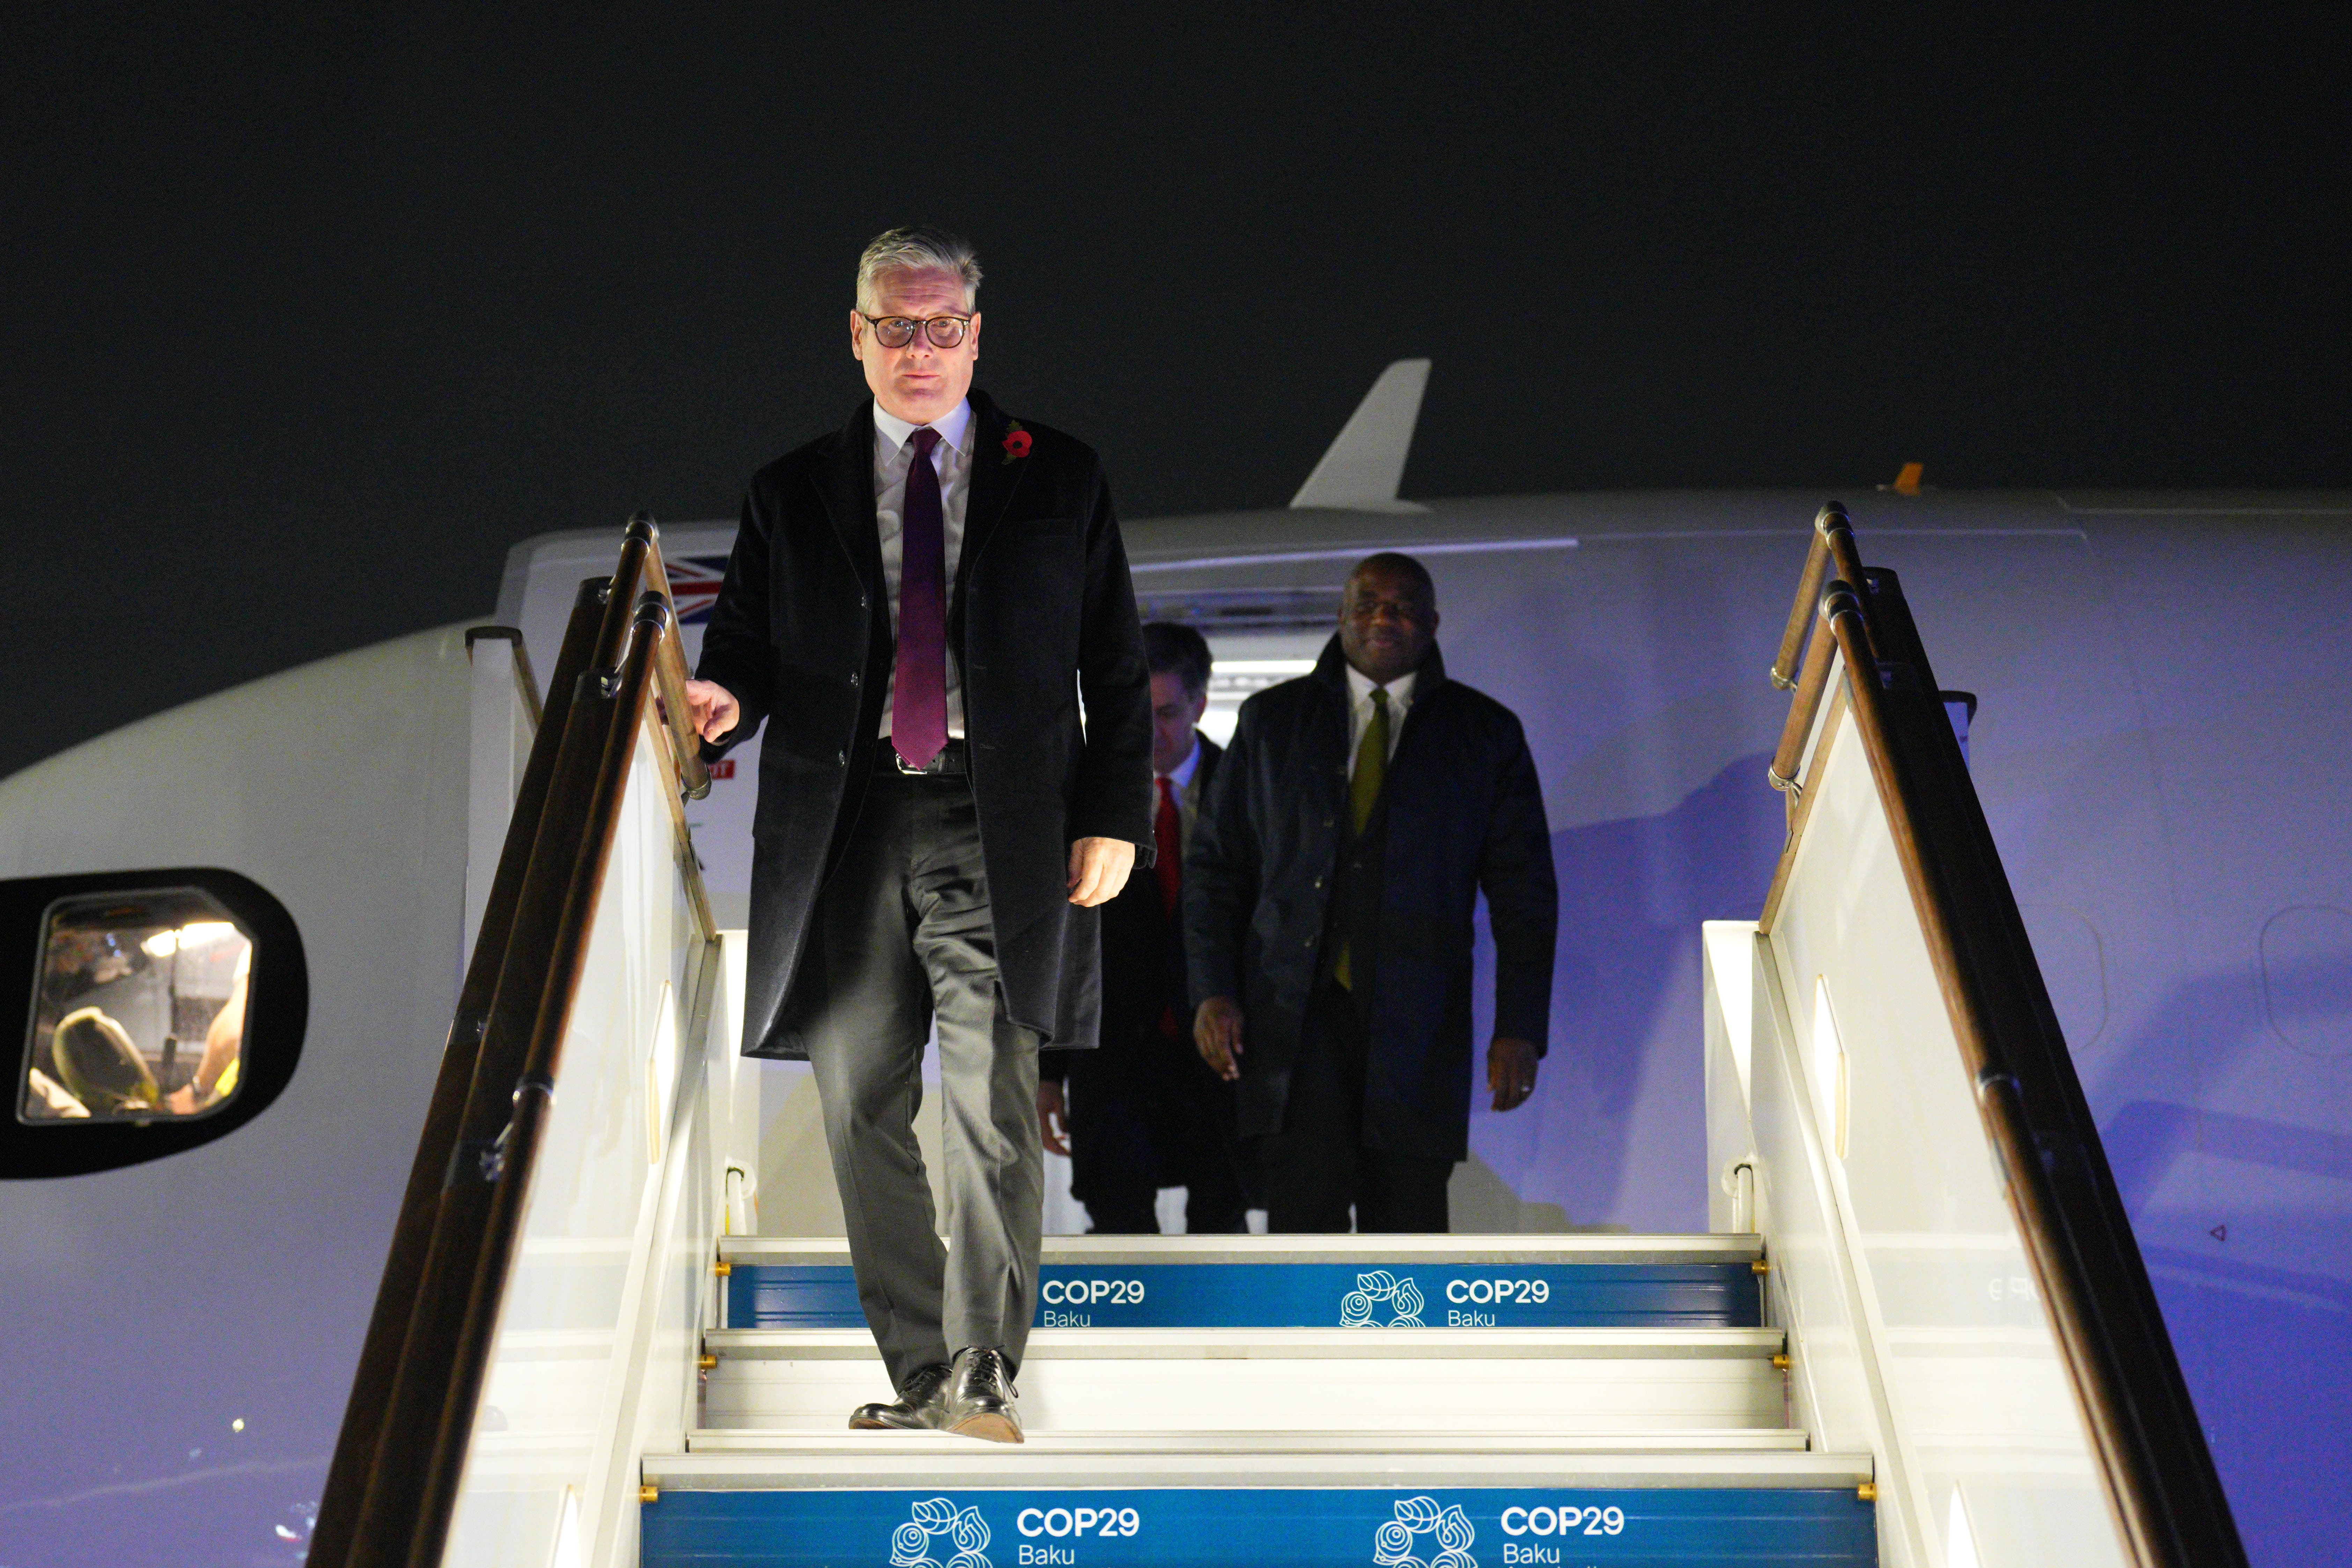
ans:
(1371, 763)
(1364, 794)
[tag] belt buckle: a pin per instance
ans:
(905, 766)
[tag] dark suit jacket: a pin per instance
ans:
(1143, 959)
(1461, 811)
(1041, 614)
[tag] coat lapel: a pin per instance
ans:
(1326, 734)
(994, 483)
(1426, 685)
(1211, 754)
(847, 488)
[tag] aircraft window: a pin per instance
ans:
(139, 1009)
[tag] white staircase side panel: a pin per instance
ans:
(669, 1296)
(595, 1356)
(734, 1094)
(500, 728)
(1937, 1257)
(1727, 950)
(1897, 1267)
(1836, 1391)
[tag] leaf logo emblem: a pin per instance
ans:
(1393, 1544)
(1359, 1307)
(910, 1543)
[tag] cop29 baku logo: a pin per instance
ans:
(910, 1543)
(1361, 1307)
(1417, 1517)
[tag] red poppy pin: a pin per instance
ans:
(1016, 442)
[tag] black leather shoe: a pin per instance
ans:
(921, 1405)
(980, 1402)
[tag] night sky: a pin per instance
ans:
(305, 321)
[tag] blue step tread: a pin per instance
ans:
(1165, 1527)
(1301, 1294)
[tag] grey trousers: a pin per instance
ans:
(901, 932)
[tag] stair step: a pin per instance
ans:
(910, 1460)
(1418, 1345)
(1504, 1380)
(1381, 1250)
(777, 1442)
(1200, 1398)
(1005, 1507)
(1306, 1281)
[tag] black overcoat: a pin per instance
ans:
(1041, 616)
(1461, 811)
(1164, 1080)
(1143, 956)
(1144, 950)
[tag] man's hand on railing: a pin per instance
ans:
(711, 709)
(1099, 868)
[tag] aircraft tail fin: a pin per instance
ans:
(1362, 471)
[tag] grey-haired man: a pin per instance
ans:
(915, 604)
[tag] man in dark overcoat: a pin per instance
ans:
(1330, 890)
(916, 606)
(1144, 1111)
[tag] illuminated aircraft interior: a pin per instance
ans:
(1944, 1158)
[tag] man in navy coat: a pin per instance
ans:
(916, 606)
(1329, 889)
(1143, 1112)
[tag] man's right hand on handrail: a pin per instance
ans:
(712, 709)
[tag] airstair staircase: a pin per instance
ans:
(1942, 1351)
(1188, 1400)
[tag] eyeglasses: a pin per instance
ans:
(897, 331)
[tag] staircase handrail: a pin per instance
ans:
(2157, 1471)
(391, 1486)
(1833, 544)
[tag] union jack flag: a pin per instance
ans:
(694, 586)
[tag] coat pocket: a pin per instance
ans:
(1036, 550)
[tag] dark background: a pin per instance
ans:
(305, 321)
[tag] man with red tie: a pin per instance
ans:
(1145, 1111)
(916, 606)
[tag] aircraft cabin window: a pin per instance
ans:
(139, 1010)
(159, 1011)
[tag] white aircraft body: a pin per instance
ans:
(2159, 739)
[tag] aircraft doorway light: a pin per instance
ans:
(187, 937)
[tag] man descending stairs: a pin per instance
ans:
(1422, 1401)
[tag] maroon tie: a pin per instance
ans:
(919, 691)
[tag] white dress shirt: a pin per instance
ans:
(1360, 709)
(894, 455)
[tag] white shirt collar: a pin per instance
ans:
(952, 426)
(1400, 690)
(1181, 774)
